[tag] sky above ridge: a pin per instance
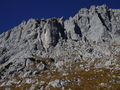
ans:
(13, 12)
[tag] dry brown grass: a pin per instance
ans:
(15, 87)
(117, 57)
(116, 45)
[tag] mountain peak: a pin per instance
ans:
(89, 40)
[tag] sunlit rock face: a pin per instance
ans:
(52, 32)
(53, 46)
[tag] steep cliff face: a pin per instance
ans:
(92, 36)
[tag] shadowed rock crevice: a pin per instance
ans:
(102, 20)
(77, 30)
(7, 35)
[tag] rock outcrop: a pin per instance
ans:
(91, 36)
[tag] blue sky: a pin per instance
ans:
(13, 12)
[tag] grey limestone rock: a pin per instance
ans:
(41, 66)
(73, 30)
(55, 83)
(52, 32)
(90, 34)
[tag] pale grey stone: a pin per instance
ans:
(55, 83)
(41, 66)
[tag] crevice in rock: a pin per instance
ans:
(7, 34)
(77, 30)
(103, 22)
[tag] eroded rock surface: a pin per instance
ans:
(50, 47)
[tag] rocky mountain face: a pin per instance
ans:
(81, 53)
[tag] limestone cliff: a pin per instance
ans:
(37, 45)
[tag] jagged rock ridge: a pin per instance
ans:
(92, 35)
